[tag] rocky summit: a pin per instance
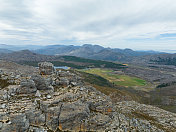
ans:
(60, 101)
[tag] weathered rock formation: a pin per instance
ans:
(46, 68)
(61, 101)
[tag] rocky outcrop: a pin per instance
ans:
(40, 82)
(61, 101)
(27, 86)
(17, 123)
(165, 120)
(46, 68)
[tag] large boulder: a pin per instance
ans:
(40, 82)
(46, 68)
(36, 118)
(16, 123)
(99, 121)
(72, 115)
(12, 89)
(27, 86)
(64, 81)
(68, 116)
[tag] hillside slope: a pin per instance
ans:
(61, 101)
(29, 58)
(25, 55)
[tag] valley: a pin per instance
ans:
(133, 79)
(152, 83)
(87, 66)
(147, 85)
(116, 78)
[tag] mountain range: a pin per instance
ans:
(86, 51)
(89, 51)
(96, 52)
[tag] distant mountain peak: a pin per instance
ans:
(92, 51)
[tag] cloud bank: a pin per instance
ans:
(137, 24)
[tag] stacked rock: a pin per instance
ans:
(46, 68)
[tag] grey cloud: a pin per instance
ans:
(112, 22)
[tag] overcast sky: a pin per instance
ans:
(136, 24)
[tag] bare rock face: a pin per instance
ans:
(61, 101)
(16, 123)
(36, 118)
(72, 114)
(40, 82)
(46, 68)
(27, 86)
